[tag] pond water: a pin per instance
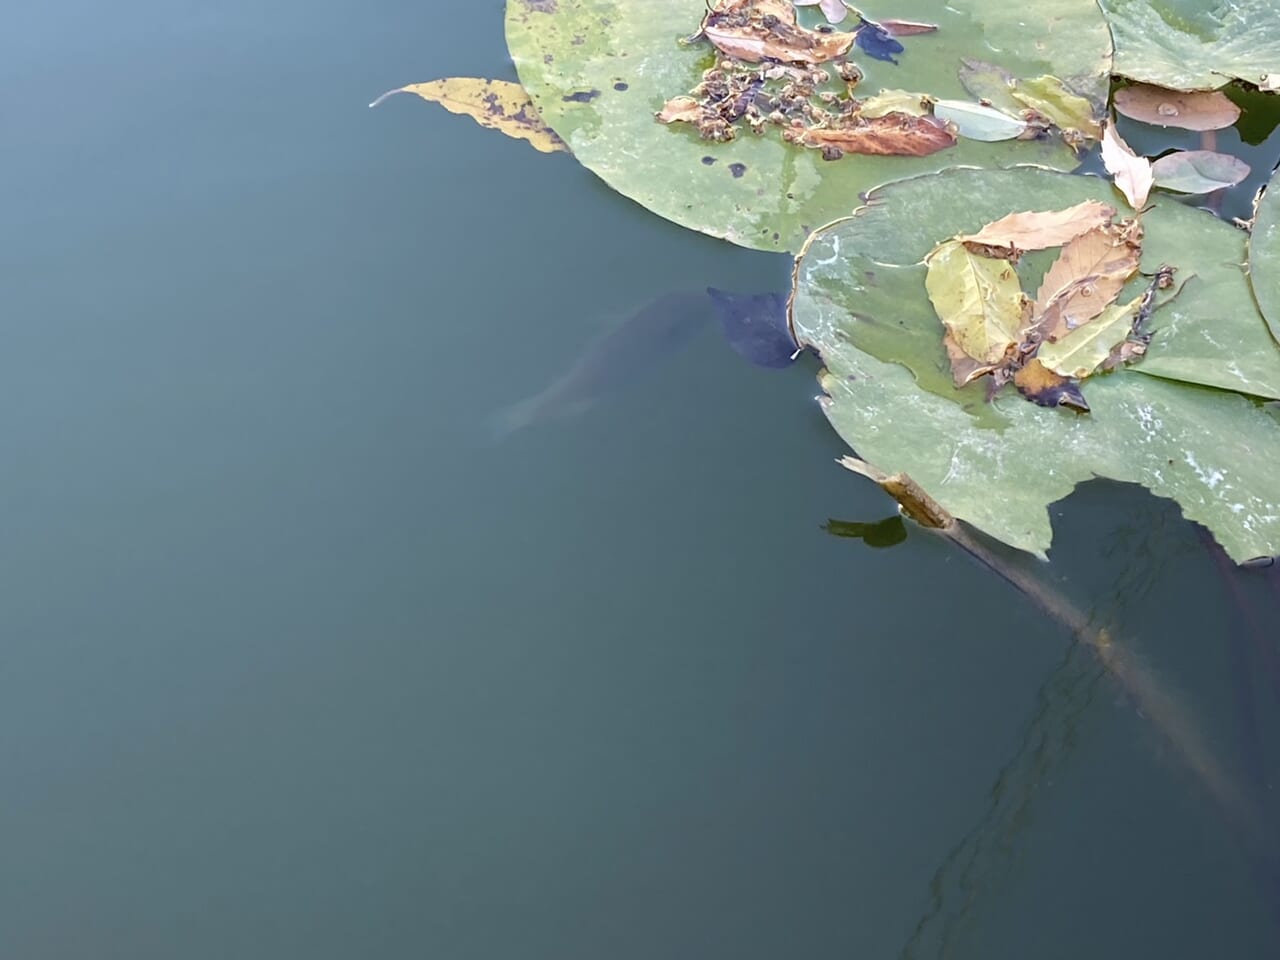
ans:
(299, 662)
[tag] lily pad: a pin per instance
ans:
(999, 465)
(1264, 254)
(599, 70)
(1194, 45)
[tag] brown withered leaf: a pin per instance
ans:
(680, 110)
(894, 134)
(1196, 110)
(1129, 351)
(1041, 385)
(1040, 229)
(759, 30)
(1086, 278)
(906, 28)
(964, 369)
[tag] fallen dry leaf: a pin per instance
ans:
(979, 301)
(497, 104)
(1197, 110)
(895, 101)
(758, 30)
(1086, 278)
(834, 10)
(1040, 229)
(1085, 349)
(894, 134)
(1132, 173)
(680, 110)
(1041, 385)
(906, 28)
(1050, 98)
(964, 369)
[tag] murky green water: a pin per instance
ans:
(295, 665)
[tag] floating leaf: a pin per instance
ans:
(1198, 171)
(895, 101)
(1084, 350)
(631, 54)
(834, 10)
(977, 122)
(986, 81)
(1049, 97)
(1212, 450)
(1264, 253)
(875, 41)
(1048, 388)
(1041, 229)
(906, 28)
(896, 135)
(1195, 45)
(497, 104)
(978, 299)
(1132, 172)
(756, 30)
(1086, 278)
(1203, 110)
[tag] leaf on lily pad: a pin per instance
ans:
(977, 122)
(906, 28)
(1202, 110)
(756, 190)
(1086, 278)
(1048, 388)
(1085, 349)
(1198, 171)
(1264, 253)
(1213, 451)
(496, 104)
(834, 10)
(986, 81)
(895, 101)
(895, 135)
(978, 299)
(1195, 45)
(1041, 229)
(1049, 97)
(1132, 173)
(756, 30)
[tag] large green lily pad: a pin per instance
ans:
(598, 70)
(860, 301)
(1195, 44)
(1264, 254)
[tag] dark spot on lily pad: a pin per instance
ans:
(737, 169)
(582, 96)
(708, 161)
(620, 86)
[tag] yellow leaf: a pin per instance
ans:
(1085, 349)
(1132, 173)
(1040, 229)
(894, 101)
(1048, 97)
(497, 104)
(977, 298)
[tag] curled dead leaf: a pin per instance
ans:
(1132, 173)
(1040, 229)
(894, 134)
(758, 30)
(1086, 278)
(1041, 385)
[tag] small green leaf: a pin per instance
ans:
(1050, 98)
(1084, 349)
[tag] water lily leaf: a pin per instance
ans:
(1193, 45)
(1198, 110)
(1132, 172)
(1198, 171)
(1086, 278)
(989, 82)
(756, 30)
(999, 465)
(977, 122)
(496, 104)
(1085, 349)
(834, 10)
(600, 70)
(1040, 229)
(978, 299)
(1049, 97)
(1264, 254)
(895, 101)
